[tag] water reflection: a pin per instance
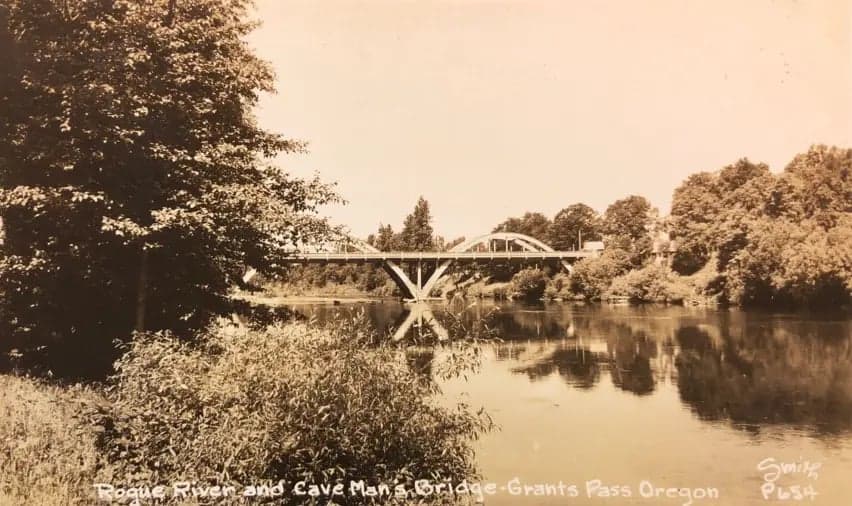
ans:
(419, 319)
(772, 374)
(631, 363)
(680, 396)
(577, 365)
(751, 369)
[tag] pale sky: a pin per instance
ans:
(493, 108)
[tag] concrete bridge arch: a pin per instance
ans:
(512, 247)
(420, 289)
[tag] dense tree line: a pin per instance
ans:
(626, 223)
(774, 238)
(626, 227)
(741, 235)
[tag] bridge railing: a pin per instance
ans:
(438, 255)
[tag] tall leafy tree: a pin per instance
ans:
(821, 181)
(708, 210)
(627, 224)
(133, 186)
(695, 211)
(417, 233)
(628, 218)
(575, 223)
(385, 239)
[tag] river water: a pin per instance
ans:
(650, 405)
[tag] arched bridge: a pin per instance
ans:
(498, 246)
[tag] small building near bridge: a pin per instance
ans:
(594, 246)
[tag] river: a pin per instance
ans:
(599, 404)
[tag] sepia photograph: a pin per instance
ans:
(426, 252)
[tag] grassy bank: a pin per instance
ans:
(337, 290)
(236, 407)
(48, 453)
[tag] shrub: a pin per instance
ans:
(558, 287)
(705, 285)
(591, 277)
(529, 284)
(499, 292)
(658, 283)
(290, 402)
(648, 284)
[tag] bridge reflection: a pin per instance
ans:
(418, 318)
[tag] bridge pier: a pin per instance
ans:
(414, 289)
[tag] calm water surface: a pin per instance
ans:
(675, 397)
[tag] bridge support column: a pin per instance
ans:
(398, 274)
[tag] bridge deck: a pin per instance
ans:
(404, 256)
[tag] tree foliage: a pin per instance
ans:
(571, 225)
(651, 283)
(531, 223)
(781, 238)
(529, 284)
(628, 218)
(591, 277)
(704, 201)
(695, 205)
(132, 183)
(627, 224)
(385, 239)
(417, 233)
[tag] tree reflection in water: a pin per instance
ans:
(752, 369)
(768, 375)
(630, 363)
(578, 366)
(627, 358)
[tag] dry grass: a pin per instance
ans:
(47, 451)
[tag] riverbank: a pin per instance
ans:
(232, 408)
(609, 278)
(281, 300)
